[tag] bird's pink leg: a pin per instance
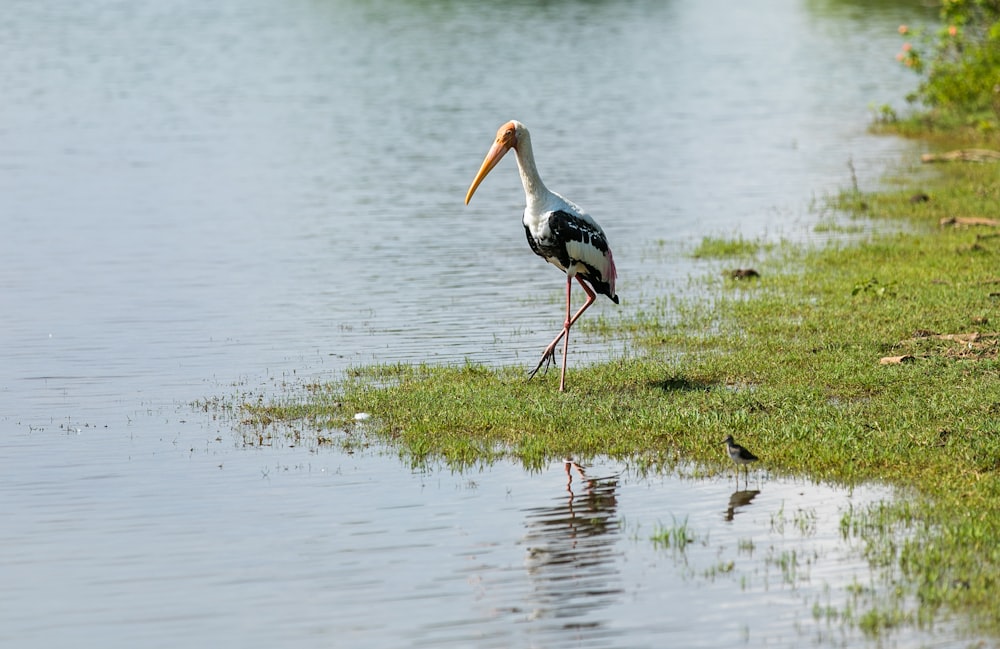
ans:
(548, 356)
(566, 326)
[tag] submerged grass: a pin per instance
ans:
(676, 536)
(791, 365)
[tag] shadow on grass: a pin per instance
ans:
(681, 384)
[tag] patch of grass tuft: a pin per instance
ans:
(677, 536)
(719, 248)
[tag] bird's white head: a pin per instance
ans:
(507, 139)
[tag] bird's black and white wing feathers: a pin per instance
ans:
(572, 240)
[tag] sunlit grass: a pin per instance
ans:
(720, 247)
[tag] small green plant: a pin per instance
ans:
(788, 562)
(676, 537)
(875, 289)
(806, 520)
(720, 568)
(877, 621)
(885, 114)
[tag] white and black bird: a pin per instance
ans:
(740, 455)
(558, 231)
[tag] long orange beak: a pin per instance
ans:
(496, 152)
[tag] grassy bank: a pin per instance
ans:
(790, 363)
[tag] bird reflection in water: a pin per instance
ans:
(739, 500)
(571, 556)
(571, 464)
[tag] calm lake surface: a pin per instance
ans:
(206, 199)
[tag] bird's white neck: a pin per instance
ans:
(535, 191)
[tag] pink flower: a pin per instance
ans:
(899, 56)
(907, 47)
(952, 30)
(903, 29)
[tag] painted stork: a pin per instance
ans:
(558, 231)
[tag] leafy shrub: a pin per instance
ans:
(960, 63)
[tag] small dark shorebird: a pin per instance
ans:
(739, 455)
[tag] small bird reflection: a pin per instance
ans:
(738, 500)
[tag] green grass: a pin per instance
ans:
(790, 365)
(676, 536)
(716, 247)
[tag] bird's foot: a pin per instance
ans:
(548, 358)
